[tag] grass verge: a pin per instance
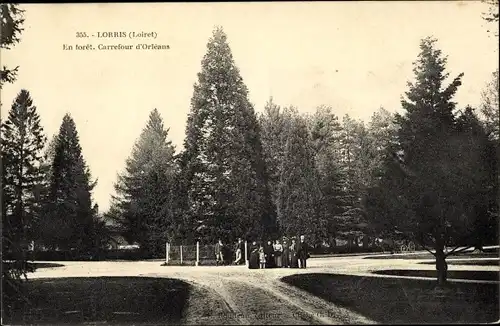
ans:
(394, 301)
(115, 300)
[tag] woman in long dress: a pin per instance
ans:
(269, 252)
(285, 257)
(253, 262)
(294, 260)
(278, 254)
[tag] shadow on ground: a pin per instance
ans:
(111, 300)
(45, 265)
(394, 300)
(429, 256)
(460, 275)
(475, 262)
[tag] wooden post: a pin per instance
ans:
(167, 249)
(181, 254)
(197, 253)
(246, 253)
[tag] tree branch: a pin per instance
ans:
(458, 251)
(427, 249)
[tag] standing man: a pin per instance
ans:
(302, 251)
(219, 255)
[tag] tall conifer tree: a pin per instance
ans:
(22, 142)
(71, 213)
(147, 189)
(224, 169)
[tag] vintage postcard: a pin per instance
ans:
(250, 163)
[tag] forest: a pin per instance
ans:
(428, 171)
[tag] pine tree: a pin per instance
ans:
(355, 163)
(490, 108)
(479, 167)
(438, 173)
(382, 131)
(21, 149)
(146, 200)
(276, 124)
(224, 168)
(43, 191)
(71, 214)
(300, 188)
(325, 131)
(12, 21)
(492, 15)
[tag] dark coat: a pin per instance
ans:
(286, 254)
(303, 249)
(241, 246)
(269, 252)
(253, 262)
(294, 263)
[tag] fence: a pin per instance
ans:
(199, 254)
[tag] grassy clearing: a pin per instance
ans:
(394, 301)
(115, 300)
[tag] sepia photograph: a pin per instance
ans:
(250, 163)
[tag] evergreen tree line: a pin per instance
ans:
(242, 174)
(47, 186)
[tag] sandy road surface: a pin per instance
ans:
(237, 295)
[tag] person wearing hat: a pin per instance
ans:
(278, 254)
(269, 254)
(293, 254)
(253, 262)
(285, 258)
(219, 253)
(239, 249)
(302, 251)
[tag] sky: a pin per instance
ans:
(352, 56)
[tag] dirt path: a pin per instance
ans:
(246, 298)
(237, 295)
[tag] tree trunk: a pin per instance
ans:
(441, 266)
(478, 248)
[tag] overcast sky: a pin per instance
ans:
(353, 56)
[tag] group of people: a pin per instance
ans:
(222, 253)
(273, 254)
(277, 254)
